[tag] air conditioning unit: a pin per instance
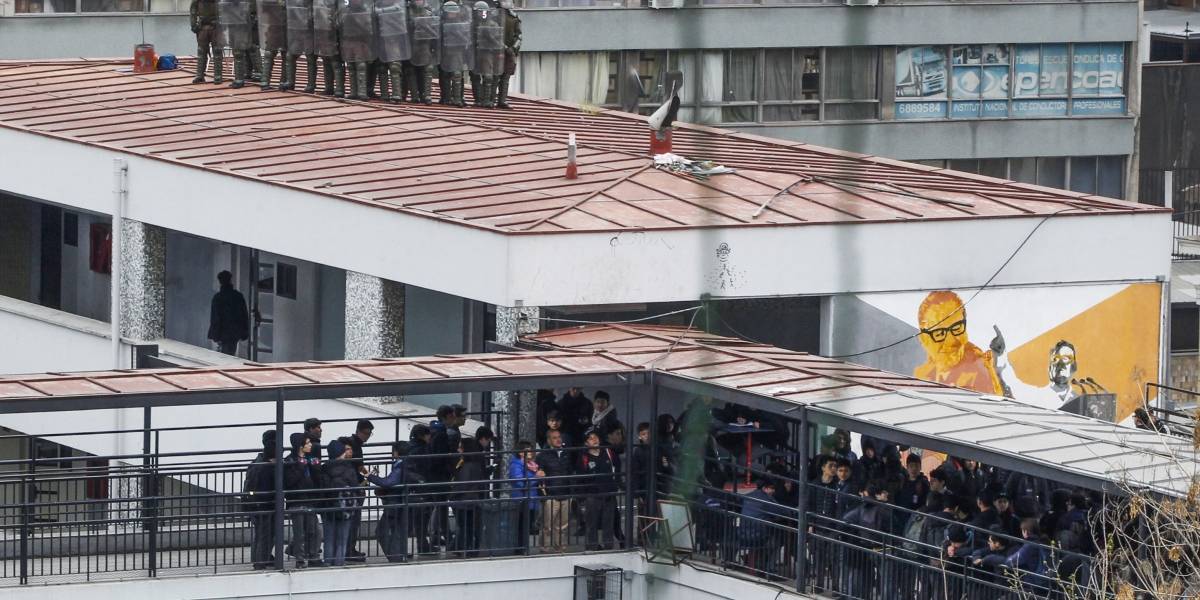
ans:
(598, 582)
(666, 3)
(860, 2)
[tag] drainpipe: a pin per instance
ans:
(120, 191)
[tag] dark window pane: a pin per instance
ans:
(968, 165)
(112, 5)
(1052, 172)
(852, 73)
(1083, 174)
(1110, 177)
(778, 78)
(993, 167)
(1023, 170)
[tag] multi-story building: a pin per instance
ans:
(1041, 93)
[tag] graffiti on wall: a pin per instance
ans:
(1087, 349)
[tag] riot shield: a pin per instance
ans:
(356, 25)
(391, 24)
(300, 27)
(425, 31)
(272, 25)
(456, 48)
(234, 18)
(324, 16)
(489, 40)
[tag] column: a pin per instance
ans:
(374, 319)
(143, 291)
(520, 413)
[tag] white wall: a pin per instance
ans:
(544, 577)
(39, 339)
(597, 268)
(84, 291)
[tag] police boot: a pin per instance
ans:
(489, 85)
(477, 93)
(426, 85)
(268, 65)
(201, 64)
(289, 73)
(239, 70)
(372, 75)
(445, 89)
(253, 64)
(360, 79)
(502, 92)
(310, 63)
(406, 92)
(396, 77)
(327, 68)
(385, 92)
(457, 95)
(218, 63)
(339, 79)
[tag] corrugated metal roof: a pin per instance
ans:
(1063, 441)
(830, 389)
(495, 169)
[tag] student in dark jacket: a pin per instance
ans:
(575, 408)
(984, 563)
(259, 499)
(392, 532)
(340, 477)
(558, 464)
(915, 488)
(362, 434)
(985, 517)
(312, 428)
(1005, 516)
(420, 464)
(866, 527)
(228, 320)
(604, 415)
(468, 490)
(300, 476)
(598, 485)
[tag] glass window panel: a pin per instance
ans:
(1112, 69)
(613, 94)
(1083, 174)
(778, 79)
(739, 79)
(853, 73)
(44, 6)
(685, 63)
(920, 72)
(712, 67)
(851, 112)
(993, 167)
(965, 82)
(966, 55)
(941, 164)
(539, 74)
(1055, 63)
(1027, 75)
(1085, 72)
(166, 6)
(793, 112)
(1052, 172)
(994, 82)
(808, 73)
(583, 77)
(112, 5)
(1110, 176)
(994, 54)
(1023, 170)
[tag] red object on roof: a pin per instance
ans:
(499, 170)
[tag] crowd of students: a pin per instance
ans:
(562, 491)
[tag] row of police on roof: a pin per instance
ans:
(563, 490)
(398, 44)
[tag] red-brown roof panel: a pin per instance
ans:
(375, 151)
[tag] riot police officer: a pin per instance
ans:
(512, 49)
(204, 21)
(425, 33)
(300, 42)
(325, 44)
(392, 46)
(456, 53)
(356, 30)
(489, 53)
(272, 37)
(236, 18)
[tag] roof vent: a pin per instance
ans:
(666, 3)
(860, 2)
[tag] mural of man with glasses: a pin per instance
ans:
(950, 357)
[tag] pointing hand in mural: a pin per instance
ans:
(997, 346)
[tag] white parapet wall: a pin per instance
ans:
(541, 578)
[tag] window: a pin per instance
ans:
(1101, 175)
(70, 229)
(285, 280)
(776, 85)
(50, 7)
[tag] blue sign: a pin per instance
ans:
(1028, 70)
(1112, 70)
(995, 108)
(965, 110)
(1098, 106)
(1039, 108)
(920, 110)
(1055, 67)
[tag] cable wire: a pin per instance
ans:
(651, 317)
(983, 287)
